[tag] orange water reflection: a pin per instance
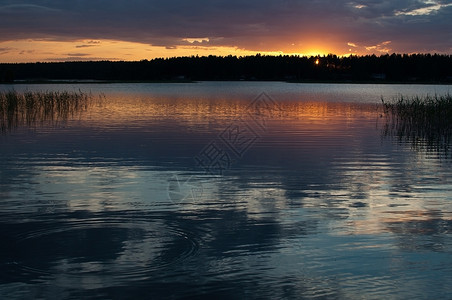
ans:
(119, 110)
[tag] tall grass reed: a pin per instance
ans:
(424, 121)
(32, 108)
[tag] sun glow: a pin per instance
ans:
(48, 50)
(51, 50)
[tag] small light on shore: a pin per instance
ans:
(317, 61)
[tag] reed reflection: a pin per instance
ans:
(424, 122)
(32, 108)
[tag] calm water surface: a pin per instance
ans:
(216, 190)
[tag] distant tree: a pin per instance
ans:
(394, 67)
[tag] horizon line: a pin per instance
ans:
(236, 56)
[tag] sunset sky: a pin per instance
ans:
(55, 30)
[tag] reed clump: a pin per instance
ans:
(31, 108)
(422, 120)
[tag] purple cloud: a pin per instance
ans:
(411, 25)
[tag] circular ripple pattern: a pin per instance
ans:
(104, 251)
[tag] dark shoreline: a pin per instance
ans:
(87, 81)
(394, 68)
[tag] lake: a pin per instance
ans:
(224, 190)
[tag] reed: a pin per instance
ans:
(31, 108)
(422, 120)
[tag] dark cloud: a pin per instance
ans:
(252, 24)
(77, 54)
(80, 58)
(26, 52)
(5, 50)
(84, 46)
(89, 44)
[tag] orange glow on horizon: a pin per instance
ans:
(84, 50)
(46, 50)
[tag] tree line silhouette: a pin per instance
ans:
(384, 68)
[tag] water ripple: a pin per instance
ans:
(102, 250)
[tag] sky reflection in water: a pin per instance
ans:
(320, 204)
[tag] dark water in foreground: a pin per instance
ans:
(194, 190)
